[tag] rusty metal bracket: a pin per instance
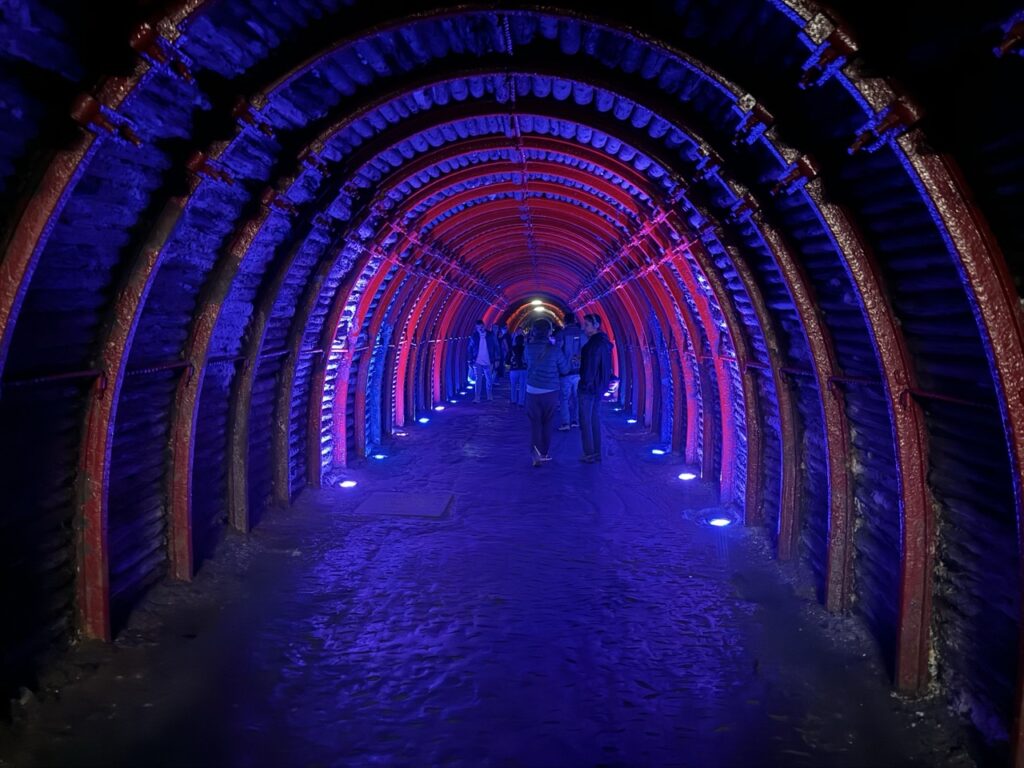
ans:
(834, 49)
(242, 110)
(90, 113)
(1013, 37)
(709, 164)
(755, 121)
(146, 41)
(795, 176)
(201, 165)
(741, 210)
(892, 122)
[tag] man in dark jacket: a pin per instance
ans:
(595, 374)
(504, 342)
(570, 339)
(483, 356)
(517, 369)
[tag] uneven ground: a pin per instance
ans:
(571, 615)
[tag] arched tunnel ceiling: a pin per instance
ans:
(275, 203)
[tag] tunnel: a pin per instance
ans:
(244, 243)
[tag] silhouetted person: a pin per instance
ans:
(570, 339)
(595, 374)
(483, 354)
(504, 348)
(517, 369)
(545, 362)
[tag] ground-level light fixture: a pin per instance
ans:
(718, 518)
(348, 484)
(687, 476)
(438, 407)
(631, 421)
(423, 420)
(379, 456)
(658, 451)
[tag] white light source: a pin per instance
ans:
(719, 522)
(438, 407)
(631, 421)
(347, 483)
(687, 476)
(379, 456)
(658, 451)
(462, 391)
(538, 309)
(453, 402)
(537, 302)
(423, 420)
(400, 433)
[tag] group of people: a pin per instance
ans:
(564, 372)
(489, 352)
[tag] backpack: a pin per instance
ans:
(572, 344)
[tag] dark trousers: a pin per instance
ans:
(541, 409)
(590, 424)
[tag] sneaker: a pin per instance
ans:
(564, 428)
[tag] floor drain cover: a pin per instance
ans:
(381, 503)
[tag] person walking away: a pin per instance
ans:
(545, 362)
(517, 369)
(571, 339)
(483, 352)
(595, 374)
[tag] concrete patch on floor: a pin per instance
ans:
(392, 504)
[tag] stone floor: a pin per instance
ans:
(568, 615)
